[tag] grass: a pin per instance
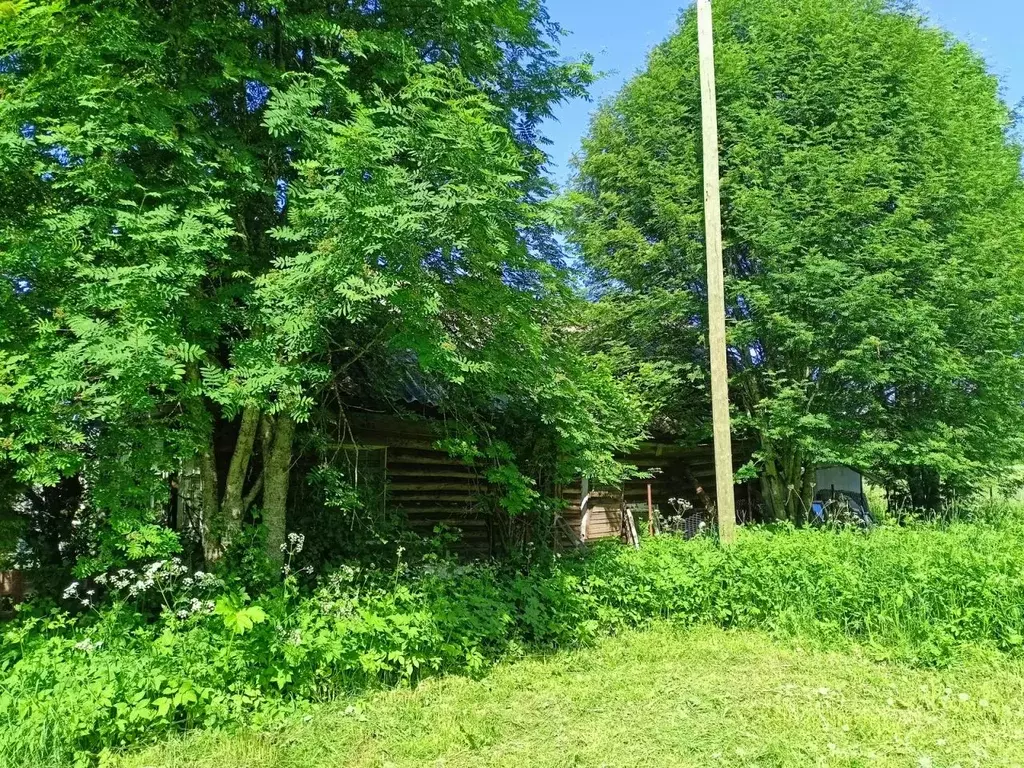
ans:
(659, 697)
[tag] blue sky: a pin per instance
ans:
(621, 34)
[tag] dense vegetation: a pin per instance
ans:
(226, 227)
(921, 594)
(226, 224)
(873, 215)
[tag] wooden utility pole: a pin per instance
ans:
(726, 505)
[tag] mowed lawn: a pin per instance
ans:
(661, 697)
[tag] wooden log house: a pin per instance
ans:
(431, 488)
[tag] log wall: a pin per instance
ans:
(430, 487)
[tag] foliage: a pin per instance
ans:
(73, 687)
(218, 214)
(873, 231)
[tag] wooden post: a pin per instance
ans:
(716, 288)
(584, 507)
(650, 511)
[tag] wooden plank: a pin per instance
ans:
(420, 472)
(461, 522)
(371, 442)
(431, 486)
(389, 423)
(468, 498)
(456, 508)
(426, 457)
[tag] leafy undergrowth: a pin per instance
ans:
(74, 689)
(660, 697)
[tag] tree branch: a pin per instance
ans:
(240, 463)
(250, 497)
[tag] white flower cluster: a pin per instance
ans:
(195, 605)
(88, 645)
(681, 506)
(685, 521)
(295, 543)
(73, 592)
(169, 578)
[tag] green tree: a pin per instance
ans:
(211, 210)
(874, 242)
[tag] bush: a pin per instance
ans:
(74, 687)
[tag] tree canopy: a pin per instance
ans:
(217, 214)
(873, 230)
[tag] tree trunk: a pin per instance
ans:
(223, 514)
(925, 489)
(211, 523)
(233, 504)
(773, 489)
(276, 475)
(787, 484)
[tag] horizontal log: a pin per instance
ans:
(469, 498)
(422, 472)
(455, 507)
(440, 486)
(361, 423)
(367, 442)
(454, 522)
(426, 457)
(452, 507)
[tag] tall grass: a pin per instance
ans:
(921, 594)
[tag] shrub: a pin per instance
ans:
(74, 687)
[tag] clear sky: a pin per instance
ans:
(620, 34)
